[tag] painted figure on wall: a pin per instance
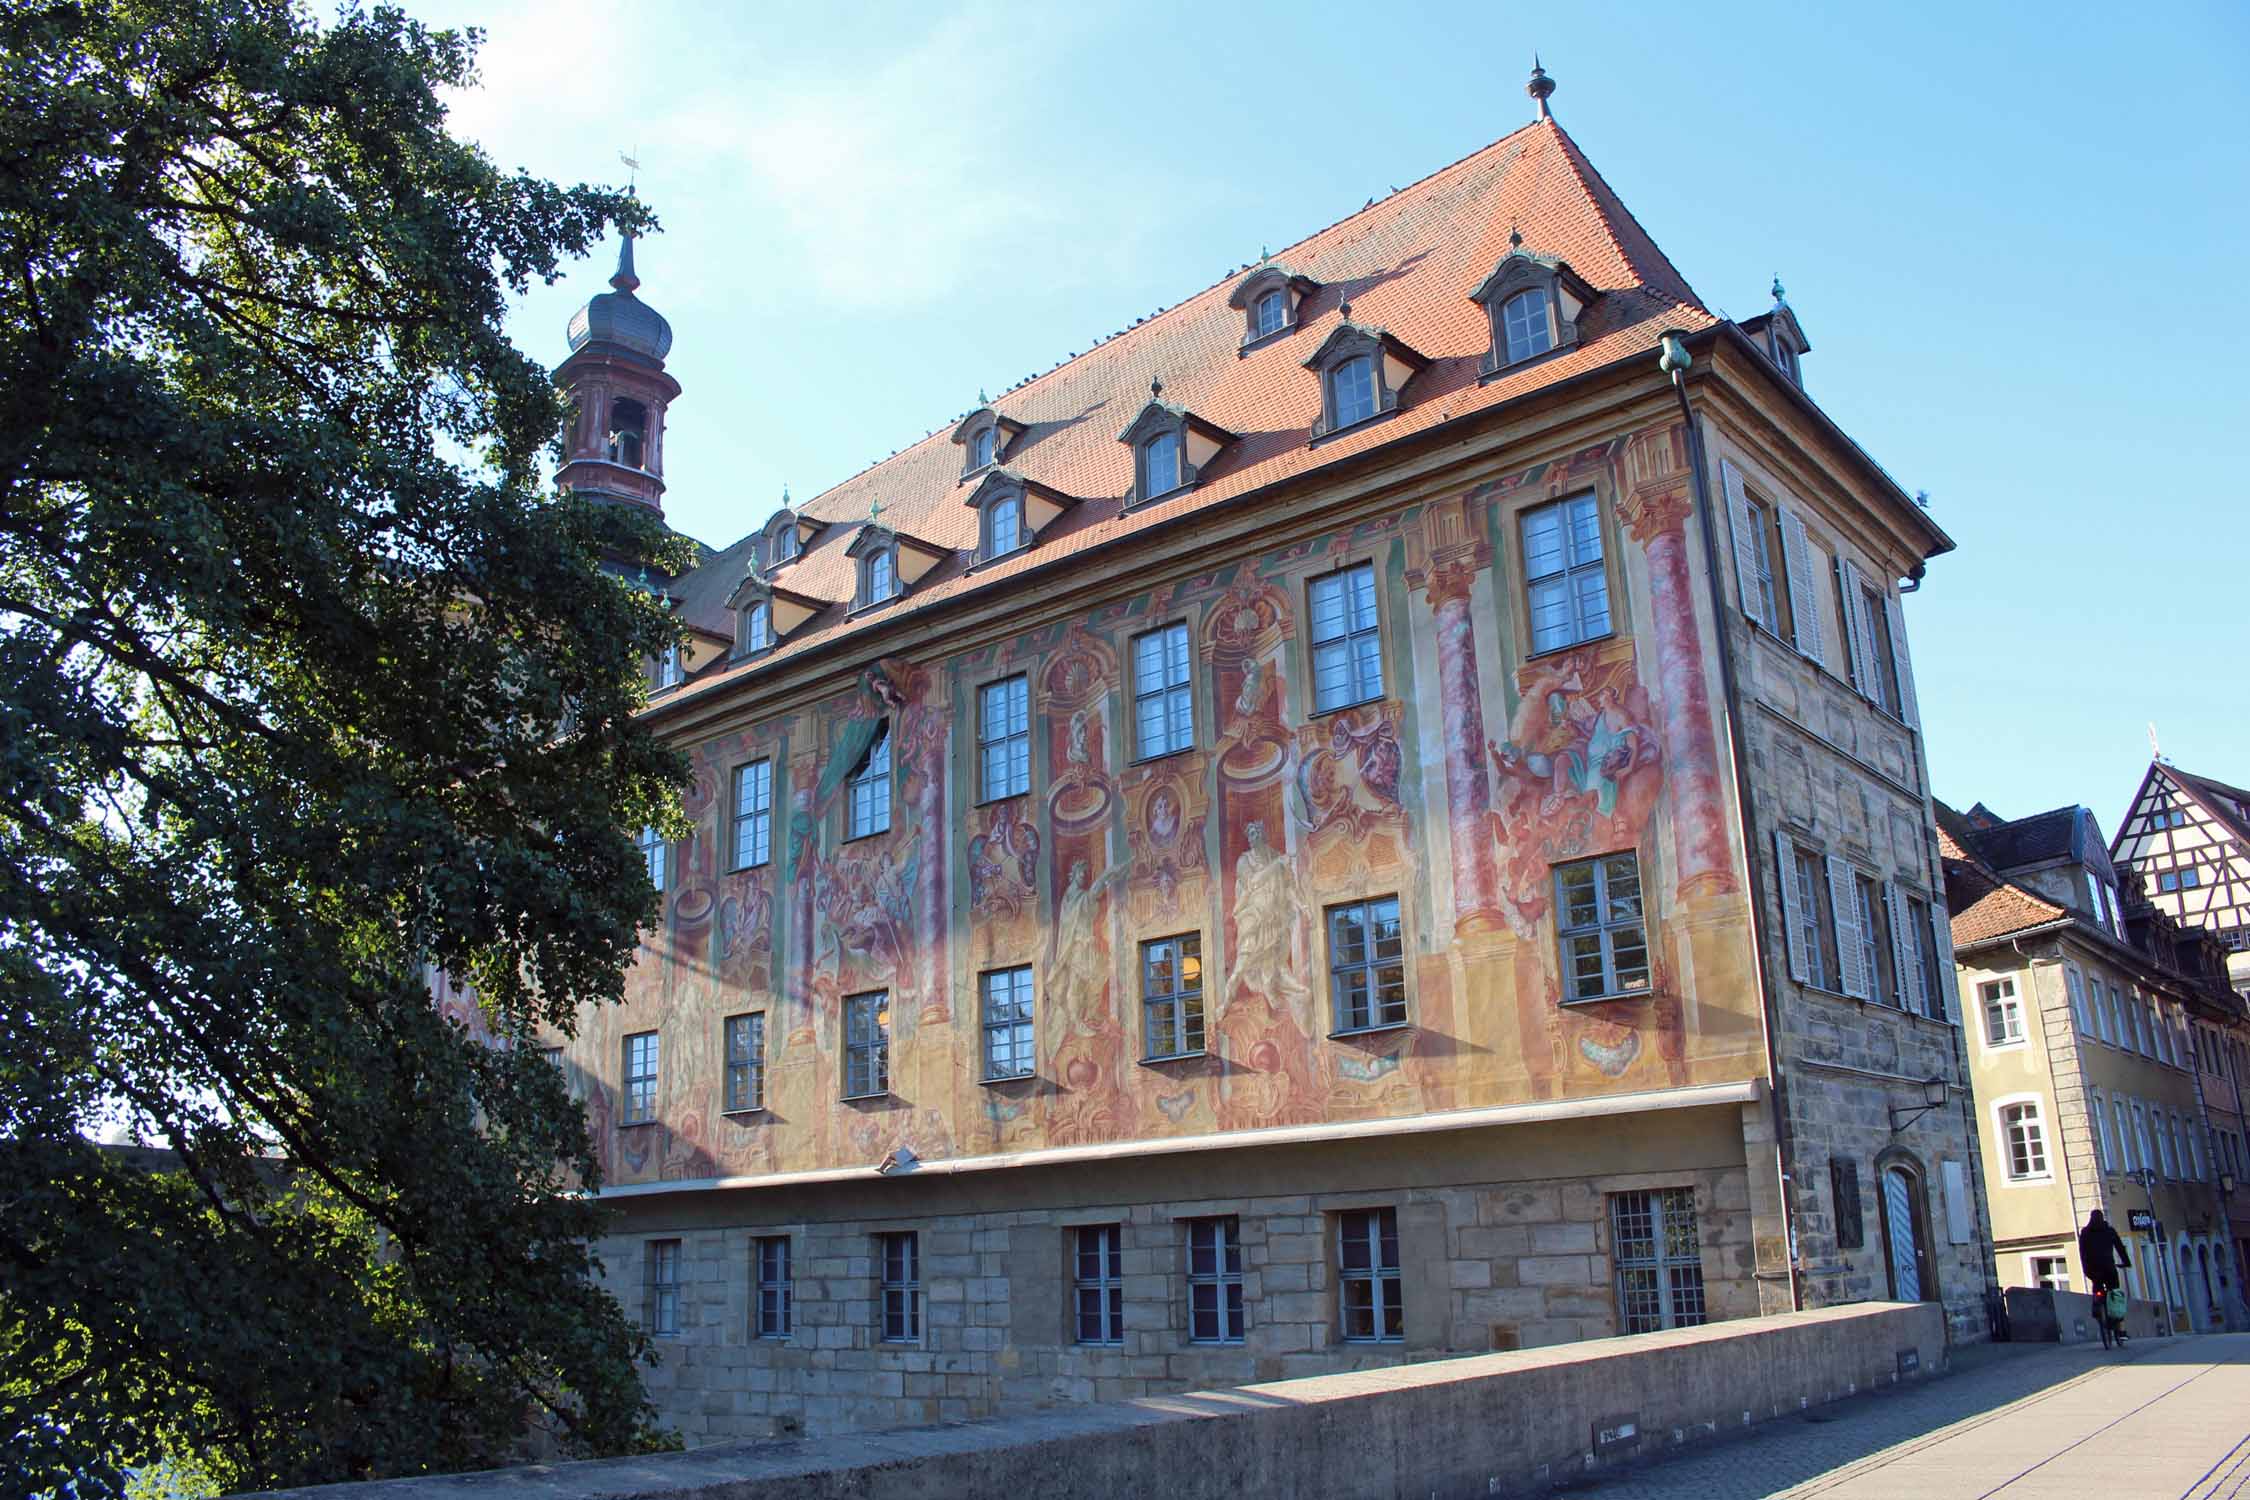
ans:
(1088, 1038)
(1268, 1075)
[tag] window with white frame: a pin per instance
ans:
(753, 814)
(1875, 951)
(777, 1288)
(1163, 700)
(1214, 1281)
(640, 1078)
(660, 1312)
(1099, 1283)
(2074, 985)
(1525, 324)
(1005, 996)
(1004, 738)
(2003, 1012)
(2105, 1149)
(1366, 964)
(868, 799)
(2023, 1137)
(669, 670)
(1759, 552)
(2105, 1011)
(1351, 391)
(1370, 1296)
(1658, 1253)
(2128, 1156)
(1923, 937)
(1347, 643)
(757, 627)
(651, 845)
(2147, 1153)
(1003, 526)
(1271, 312)
(1564, 580)
(1160, 464)
(900, 1256)
(867, 1045)
(878, 576)
(2051, 1272)
(2167, 1153)
(1599, 924)
(1172, 995)
(1808, 909)
(746, 1062)
(983, 448)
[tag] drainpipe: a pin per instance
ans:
(1674, 363)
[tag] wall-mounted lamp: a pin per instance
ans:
(1933, 1097)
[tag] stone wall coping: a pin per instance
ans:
(1696, 1096)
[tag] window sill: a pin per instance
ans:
(860, 838)
(1364, 1343)
(857, 610)
(752, 1112)
(864, 1098)
(1607, 635)
(756, 864)
(638, 1124)
(1645, 993)
(1001, 1079)
(1175, 1057)
(1152, 758)
(1002, 797)
(1376, 1030)
(1337, 708)
(1516, 366)
(979, 471)
(1157, 499)
(2046, 1181)
(1318, 438)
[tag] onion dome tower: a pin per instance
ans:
(617, 386)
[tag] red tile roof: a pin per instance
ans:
(1406, 264)
(1985, 904)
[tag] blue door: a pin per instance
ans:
(1898, 1220)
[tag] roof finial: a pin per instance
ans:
(785, 495)
(1540, 87)
(1779, 300)
(1515, 237)
(1156, 388)
(1344, 311)
(1264, 255)
(875, 513)
(982, 399)
(624, 279)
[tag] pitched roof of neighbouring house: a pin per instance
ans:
(1985, 904)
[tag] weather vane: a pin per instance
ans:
(632, 159)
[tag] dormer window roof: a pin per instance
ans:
(1269, 298)
(1779, 335)
(1361, 371)
(1011, 512)
(984, 437)
(786, 535)
(1171, 447)
(765, 614)
(1533, 302)
(889, 562)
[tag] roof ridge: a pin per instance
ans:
(1204, 291)
(1582, 167)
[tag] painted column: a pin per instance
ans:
(1457, 553)
(804, 777)
(1654, 510)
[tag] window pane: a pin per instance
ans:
(1542, 542)
(1353, 383)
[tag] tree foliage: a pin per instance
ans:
(307, 685)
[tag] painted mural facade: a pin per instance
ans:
(1459, 789)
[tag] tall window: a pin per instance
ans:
(640, 1078)
(1163, 702)
(881, 575)
(1815, 911)
(1562, 569)
(2003, 1013)
(983, 447)
(1003, 526)
(661, 1299)
(2105, 1148)
(1886, 664)
(2026, 1141)
(1761, 559)
(1370, 1298)
(868, 807)
(902, 1286)
(777, 1288)
(1351, 391)
(669, 671)
(1523, 320)
(1006, 997)
(1214, 1281)
(1172, 995)
(753, 814)
(651, 845)
(2127, 1157)
(867, 1045)
(1874, 938)
(1659, 1259)
(1604, 945)
(1922, 953)
(1272, 310)
(1004, 738)
(785, 544)
(1347, 646)
(757, 627)
(1367, 964)
(1101, 1283)
(1160, 464)
(628, 434)
(746, 1062)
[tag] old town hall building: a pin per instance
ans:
(1378, 812)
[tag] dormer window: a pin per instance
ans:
(765, 613)
(1785, 355)
(1012, 511)
(1526, 326)
(1269, 298)
(981, 446)
(757, 628)
(1171, 446)
(1534, 302)
(1781, 336)
(878, 576)
(1160, 465)
(1361, 370)
(1272, 311)
(1003, 526)
(984, 436)
(785, 544)
(628, 433)
(669, 671)
(889, 562)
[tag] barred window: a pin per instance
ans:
(1604, 945)
(1562, 569)
(777, 1288)
(1006, 995)
(753, 814)
(640, 1077)
(1004, 738)
(746, 1061)
(1371, 1296)
(661, 1303)
(1163, 700)
(1214, 1281)
(1347, 645)
(1101, 1283)
(1659, 1260)
(870, 807)
(1367, 964)
(902, 1287)
(867, 1045)
(1172, 995)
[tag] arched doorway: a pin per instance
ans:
(1906, 1233)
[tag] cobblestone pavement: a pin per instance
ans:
(2165, 1417)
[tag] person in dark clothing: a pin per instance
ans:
(2100, 1254)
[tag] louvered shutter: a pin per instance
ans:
(1900, 661)
(1851, 957)
(1804, 587)
(1903, 953)
(1745, 543)
(1792, 908)
(1861, 651)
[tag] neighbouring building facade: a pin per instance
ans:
(1333, 828)
(2092, 1017)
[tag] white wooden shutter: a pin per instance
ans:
(1957, 1221)
(1900, 661)
(2078, 1009)
(1903, 965)
(1804, 587)
(1859, 647)
(1843, 901)
(1745, 543)
(1792, 908)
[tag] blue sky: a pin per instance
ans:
(2014, 233)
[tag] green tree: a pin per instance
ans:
(307, 684)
